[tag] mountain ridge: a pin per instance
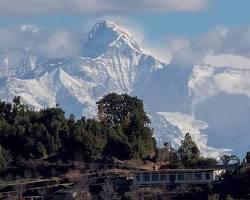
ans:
(112, 61)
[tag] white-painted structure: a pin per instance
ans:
(178, 176)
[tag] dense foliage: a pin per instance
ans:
(190, 156)
(188, 151)
(187, 155)
(123, 133)
(126, 115)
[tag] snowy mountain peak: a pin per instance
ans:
(106, 34)
(106, 26)
(101, 26)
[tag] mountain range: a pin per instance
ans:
(209, 99)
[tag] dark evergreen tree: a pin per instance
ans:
(189, 152)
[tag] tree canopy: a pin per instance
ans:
(188, 151)
(121, 132)
(127, 115)
(187, 155)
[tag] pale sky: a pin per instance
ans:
(183, 26)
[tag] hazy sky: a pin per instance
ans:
(157, 18)
(184, 29)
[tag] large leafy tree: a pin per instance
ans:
(117, 109)
(127, 114)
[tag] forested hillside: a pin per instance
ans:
(121, 130)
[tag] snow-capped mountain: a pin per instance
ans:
(199, 99)
(112, 62)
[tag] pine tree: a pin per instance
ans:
(189, 152)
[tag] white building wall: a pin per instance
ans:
(180, 177)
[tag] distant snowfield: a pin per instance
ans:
(188, 124)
